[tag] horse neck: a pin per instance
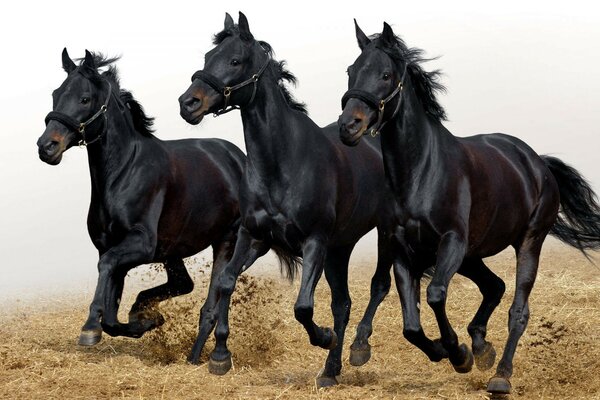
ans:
(270, 140)
(412, 142)
(109, 156)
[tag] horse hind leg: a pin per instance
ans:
(360, 350)
(527, 264)
(492, 289)
(178, 283)
(336, 273)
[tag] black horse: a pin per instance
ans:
(152, 200)
(303, 193)
(461, 199)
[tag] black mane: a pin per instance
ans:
(282, 74)
(426, 84)
(141, 122)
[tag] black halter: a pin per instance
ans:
(79, 127)
(376, 103)
(220, 87)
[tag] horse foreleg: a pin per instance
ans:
(450, 256)
(336, 273)
(135, 249)
(360, 350)
(408, 285)
(222, 253)
(313, 257)
(247, 250)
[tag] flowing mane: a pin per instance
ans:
(141, 122)
(426, 83)
(282, 74)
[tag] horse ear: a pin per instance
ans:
(388, 33)
(88, 61)
(228, 21)
(363, 40)
(244, 27)
(67, 63)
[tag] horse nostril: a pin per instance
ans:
(357, 121)
(191, 104)
(51, 146)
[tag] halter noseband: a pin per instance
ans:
(79, 127)
(220, 87)
(378, 104)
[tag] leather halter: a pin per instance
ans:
(220, 87)
(378, 104)
(79, 127)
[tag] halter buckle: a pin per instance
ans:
(373, 132)
(82, 143)
(81, 128)
(255, 78)
(381, 105)
(227, 91)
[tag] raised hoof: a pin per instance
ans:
(360, 355)
(333, 342)
(468, 364)
(216, 367)
(486, 359)
(150, 317)
(326, 381)
(498, 385)
(89, 337)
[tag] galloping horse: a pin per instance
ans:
(303, 193)
(460, 199)
(152, 200)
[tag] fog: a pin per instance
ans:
(529, 69)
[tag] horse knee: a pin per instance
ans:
(436, 296)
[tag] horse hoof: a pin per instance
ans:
(333, 342)
(486, 359)
(153, 316)
(498, 385)
(326, 381)
(360, 355)
(89, 337)
(216, 367)
(467, 365)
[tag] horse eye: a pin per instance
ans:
(235, 62)
(85, 100)
(386, 76)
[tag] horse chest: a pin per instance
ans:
(274, 227)
(420, 236)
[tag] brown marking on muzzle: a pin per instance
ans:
(60, 139)
(205, 99)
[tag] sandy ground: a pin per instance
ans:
(558, 356)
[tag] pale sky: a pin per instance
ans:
(526, 68)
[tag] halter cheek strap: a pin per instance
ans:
(220, 87)
(378, 104)
(79, 127)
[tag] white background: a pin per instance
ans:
(530, 69)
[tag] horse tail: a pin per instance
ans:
(578, 221)
(289, 264)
